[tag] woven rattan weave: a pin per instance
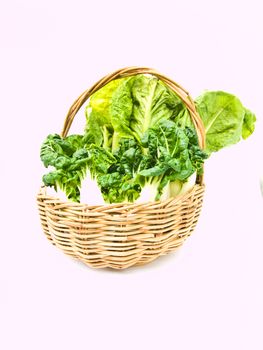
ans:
(122, 235)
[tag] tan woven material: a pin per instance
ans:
(122, 235)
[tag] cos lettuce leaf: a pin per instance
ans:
(99, 128)
(225, 119)
(152, 102)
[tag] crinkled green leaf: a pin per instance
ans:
(57, 151)
(71, 160)
(225, 119)
(174, 152)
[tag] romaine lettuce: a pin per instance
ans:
(225, 119)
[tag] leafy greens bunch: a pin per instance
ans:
(139, 142)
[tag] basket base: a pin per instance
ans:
(119, 236)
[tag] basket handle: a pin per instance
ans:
(129, 71)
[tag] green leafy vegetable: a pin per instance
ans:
(140, 144)
(128, 108)
(103, 128)
(152, 103)
(225, 119)
(166, 153)
(173, 155)
(72, 161)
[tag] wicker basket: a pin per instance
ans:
(122, 235)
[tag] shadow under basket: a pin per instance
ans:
(122, 235)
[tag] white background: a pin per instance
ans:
(206, 296)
